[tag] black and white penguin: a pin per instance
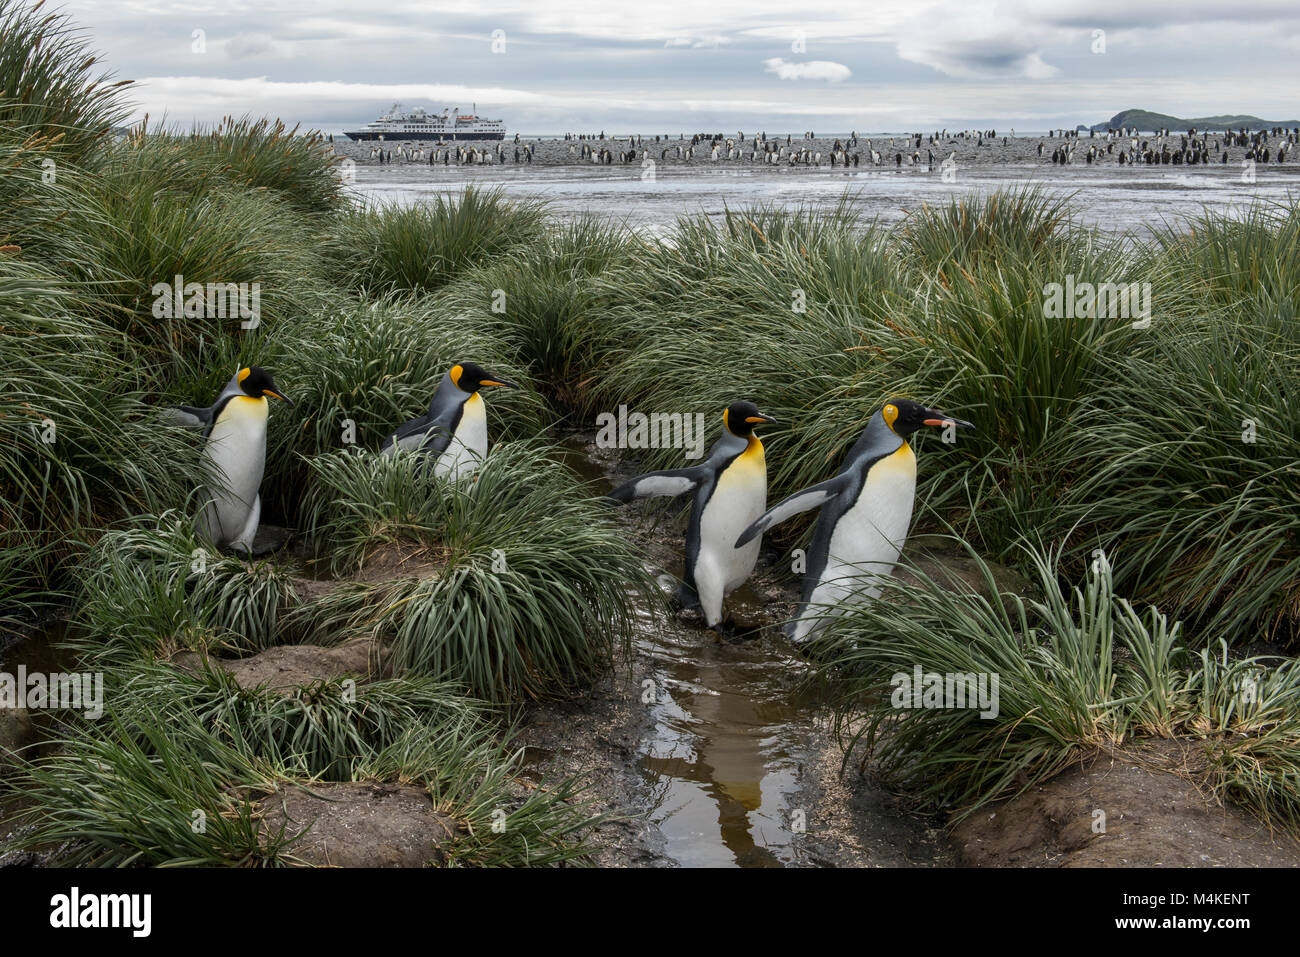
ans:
(454, 430)
(865, 512)
(730, 492)
(234, 455)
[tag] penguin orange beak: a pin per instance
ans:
(756, 419)
(937, 419)
(282, 398)
(501, 382)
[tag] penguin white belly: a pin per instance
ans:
(739, 499)
(468, 447)
(866, 541)
(235, 454)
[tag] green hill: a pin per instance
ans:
(1148, 122)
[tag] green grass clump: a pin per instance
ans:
(164, 793)
(1081, 672)
(78, 445)
(375, 365)
(1186, 470)
(157, 587)
(542, 300)
(320, 730)
(422, 247)
(532, 583)
(179, 782)
(978, 229)
(257, 154)
(50, 91)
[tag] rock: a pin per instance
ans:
(360, 824)
(289, 666)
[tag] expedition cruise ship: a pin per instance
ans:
(449, 125)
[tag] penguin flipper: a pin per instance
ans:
(812, 497)
(187, 416)
(670, 482)
(421, 435)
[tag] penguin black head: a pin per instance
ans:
(739, 418)
(257, 382)
(470, 377)
(903, 416)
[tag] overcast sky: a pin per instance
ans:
(694, 65)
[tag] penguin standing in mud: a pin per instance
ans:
(454, 430)
(730, 493)
(234, 455)
(865, 512)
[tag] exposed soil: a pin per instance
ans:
(1154, 816)
(16, 731)
(290, 666)
(360, 824)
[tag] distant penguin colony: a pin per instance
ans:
(1121, 146)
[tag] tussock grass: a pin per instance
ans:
(78, 447)
(1196, 518)
(257, 154)
(158, 587)
(977, 229)
(137, 231)
(533, 582)
(422, 247)
(130, 789)
(50, 89)
(320, 730)
(1081, 671)
(376, 364)
(549, 308)
(133, 792)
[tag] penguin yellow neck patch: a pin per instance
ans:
(890, 414)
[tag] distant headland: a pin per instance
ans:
(1144, 121)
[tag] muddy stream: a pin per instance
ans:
(735, 762)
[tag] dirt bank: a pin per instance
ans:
(1139, 807)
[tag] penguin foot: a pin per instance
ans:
(724, 630)
(733, 633)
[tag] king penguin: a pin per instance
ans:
(454, 430)
(865, 512)
(234, 455)
(730, 492)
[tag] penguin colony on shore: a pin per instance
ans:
(866, 507)
(1119, 146)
